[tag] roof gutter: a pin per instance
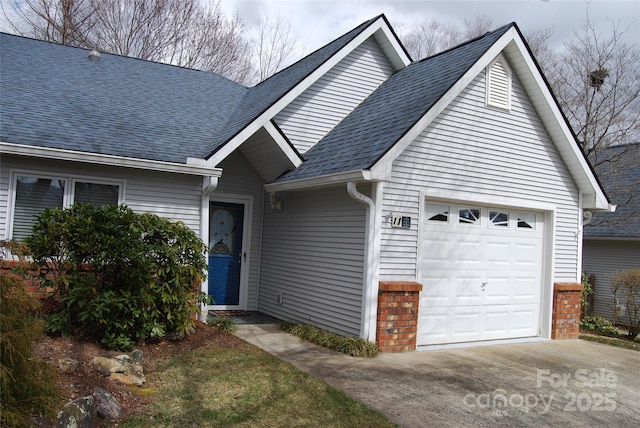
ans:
(193, 166)
(325, 180)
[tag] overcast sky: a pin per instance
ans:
(317, 22)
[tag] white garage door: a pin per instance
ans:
(481, 272)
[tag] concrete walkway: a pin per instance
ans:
(567, 383)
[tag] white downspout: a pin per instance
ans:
(370, 274)
(209, 185)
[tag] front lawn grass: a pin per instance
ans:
(244, 386)
(614, 341)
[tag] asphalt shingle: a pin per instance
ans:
(381, 120)
(54, 96)
(618, 169)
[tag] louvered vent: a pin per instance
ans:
(499, 84)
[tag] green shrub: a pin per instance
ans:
(27, 384)
(355, 347)
(587, 290)
(121, 277)
(227, 325)
(599, 324)
(626, 293)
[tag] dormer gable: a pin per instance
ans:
(308, 118)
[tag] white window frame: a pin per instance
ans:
(69, 188)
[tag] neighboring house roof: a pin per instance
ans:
(54, 96)
(379, 122)
(618, 168)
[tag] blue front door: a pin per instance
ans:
(225, 252)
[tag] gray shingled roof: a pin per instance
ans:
(619, 172)
(54, 96)
(382, 119)
(265, 94)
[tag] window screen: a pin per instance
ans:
(96, 194)
(34, 195)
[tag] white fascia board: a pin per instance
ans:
(323, 180)
(272, 111)
(398, 56)
(284, 145)
(568, 148)
(386, 161)
(558, 129)
(195, 168)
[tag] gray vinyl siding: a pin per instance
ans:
(239, 178)
(4, 196)
(168, 195)
(313, 253)
(484, 151)
(325, 103)
(602, 258)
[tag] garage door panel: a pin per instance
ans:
(527, 288)
(498, 255)
(436, 296)
(435, 326)
(527, 255)
(481, 281)
(497, 290)
(524, 321)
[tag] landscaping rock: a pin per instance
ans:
(128, 379)
(107, 366)
(123, 359)
(79, 413)
(67, 365)
(136, 356)
(107, 406)
(174, 335)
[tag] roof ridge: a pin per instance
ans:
(364, 24)
(116, 55)
(475, 39)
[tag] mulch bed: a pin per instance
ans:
(132, 399)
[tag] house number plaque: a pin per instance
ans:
(401, 222)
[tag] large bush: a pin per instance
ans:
(120, 277)
(27, 384)
(626, 294)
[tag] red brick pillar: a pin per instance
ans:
(398, 316)
(565, 323)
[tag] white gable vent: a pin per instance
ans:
(499, 84)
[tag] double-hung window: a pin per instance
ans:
(33, 193)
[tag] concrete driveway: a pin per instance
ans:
(567, 383)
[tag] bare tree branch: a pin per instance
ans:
(180, 32)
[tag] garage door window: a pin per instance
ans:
(526, 220)
(438, 212)
(499, 218)
(469, 216)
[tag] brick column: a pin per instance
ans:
(397, 325)
(565, 323)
